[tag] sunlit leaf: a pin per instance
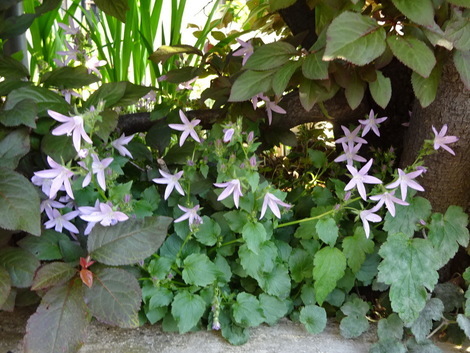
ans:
(249, 84)
(270, 56)
(187, 309)
(381, 90)
(419, 11)
(314, 67)
(115, 8)
(167, 51)
(254, 235)
(425, 89)
(283, 75)
(329, 266)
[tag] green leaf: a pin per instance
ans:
(355, 38)
(311, 92)
(388, 345)
(273, 308)
(424, 323)
(108, 124)
(355, 248)
(300, 265)
(232, 332)
(223, 271)
(462, 64)
(110, 93)
(464, 324)
(409, 267)
(208, 232)
(425, 89)
(355, 323)
(314, 68)
(23, 113)
(276, 282)
(458, 31)
(58, 147)
(19, 203)
(381, 90)
(327, 230)
(247, 311)
(183, 74)
(463, 3)
(447, 231)
(249, 84)
(426, 346)
(115, 8)
(314, 318)
(354, 91)
(13, 147)
(390, 327)
(68, 77)
(254, 235)
(5, 285)
(43, 97)
(127, 242)
(60, 321)
(114, 297)
(407, 218)
(253, 263)
(413, 53)
(275, 5)
(167, 51)
(419, 11)
(187, 309)
(236, 220)
(283, 75)
(329, 265)
(52, 274)
(270, 56)
(199, 270)
(157, 296)
(12, 69)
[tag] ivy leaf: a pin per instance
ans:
(425, 89)
(409, 267)
(390, 328)
(5, 285)
(13, 147)
(247, 311)
(283, 75)
(462, 64)
(254, 235)
(356, 247)
(114, 297)
(355, 38)
(249, 84)
(419, 11)
(329, 265)
(127, 242)
(423, 324)
(407, 218)
(165, 52)
(52, 274)
(273, 308)
(413, 53)
(464, 324)
(355, 323)
(199, 270)
(275, 5)
(447, 231)
(19, 203)
(313, 66)
(20, 264)
(314, 318)
(276, 282)
(208, 232)
(187, 309)
(327, 230)
(115, 8)
(60, 321)
(381, 90)
(270, 56)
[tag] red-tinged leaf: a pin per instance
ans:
(87, 277)
(60, 321)
(52, 274)
(85, 262)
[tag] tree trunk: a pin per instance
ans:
(447, 181)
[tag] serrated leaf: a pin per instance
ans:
(462, 64)
(249, 84)
(425, 89)
(314, 318)
(236, 220)
(409, 267)
(413, 53)
(232, 332)
(355, 38)
(419, 11)
(283, 75)
(208, 232)
(68, 77)
(407, 218)
(270, 56)
(223, 270)
(388, 345)
(60, 321)
(13, 147)
(20, 264)
(275, 5)
(23, 113)
(58, 147)
(424, 323)
(313, 66)
(450, 294)
(276, 282)
(355, 248)
(108, 123)
(329, 265)
(5, 285)
(52, 274)
(161, 297)
(327, 230)
(381, 90)
(247, 311)
(390, 328)
(198, 270)
(115, 8)
(165, 52)
(114, 297)
(254, 235)
(354, 91)
(464, 324)
(447, 231)
(187, 309)
(253, 263)
(127, 242)
(355, 323)
(273, 308)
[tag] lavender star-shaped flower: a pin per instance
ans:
(369, 216)
(60, 176)
(172, 181)
(390, 200)
(350, 154)
(119, 144)
(231, 187)
(246, 50)
(273, 203)
(272, 107)
(71, 126)
(187, 127)
(59, 221)
(441, 140)
(98, 167)
(371, 124)
(405, 180)
(106, 216)
(350, 137)
(360, 177)
(190, 214)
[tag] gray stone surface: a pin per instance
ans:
(286, 336)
